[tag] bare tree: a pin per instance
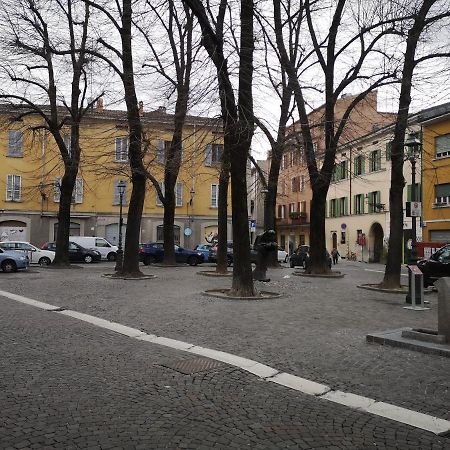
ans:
(238, 123)
(371, 28)
(38, 48)
(424, 15)
(121, 61)
(177, 22)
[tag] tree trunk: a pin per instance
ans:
(138, 177)
(169, 218)
(222, 214)
(394, 257)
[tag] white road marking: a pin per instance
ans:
(396, 413)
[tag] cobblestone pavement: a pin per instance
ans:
(67, 384)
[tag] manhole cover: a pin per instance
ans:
(188, 366)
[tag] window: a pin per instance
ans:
(15, 144)
(374, 202)
(375, 161)
(281, 211)
(291, 207)
(295, 184)
(442, 194)
(160, 235)
(302, 156)
(13, 188)
(302, 183)
(121, 149)
(293, 158)
(77, 193)
(358, 204)
(162, 187)
(116, 196)
(161, 151)
(179, 194)
(68, 143)
(102, 243)
(214, 195)
(358, 165)
(343, 206)
(341, 171)
(333, 208)
(213, 154)
(285, 161)
(442, 144)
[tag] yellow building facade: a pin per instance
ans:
(31, 168)
(436, 173)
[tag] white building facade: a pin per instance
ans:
(357, 222)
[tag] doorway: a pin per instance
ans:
(376, 236)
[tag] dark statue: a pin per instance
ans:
(265, 243)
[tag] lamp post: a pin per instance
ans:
(412, 143)
(121, 186)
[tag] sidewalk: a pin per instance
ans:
(317, 332)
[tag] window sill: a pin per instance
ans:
(438, 158)
(14, 201)
(121, 161)
(375, 171)
(14, 156)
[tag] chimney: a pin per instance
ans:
(141, 108)
(99, 105)
(162, 109)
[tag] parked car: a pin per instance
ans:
(153, 252)
(213, 253)
(436, 266)
(204, 249)
(77, 253)
(282, 255)
(298, 258)
(327, 256)
(35, 254)
(106, 249)
(11, 261)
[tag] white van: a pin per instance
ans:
(106, 249)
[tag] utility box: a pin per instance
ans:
(415, 291)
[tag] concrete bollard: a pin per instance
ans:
(443, 286)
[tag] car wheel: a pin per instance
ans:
(149, 260)
(112, 256)
(44, 261)
(88, 259)
(9, 266)
(192, 261)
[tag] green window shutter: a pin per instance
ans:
(409, 192)
(355, 204)
(326, 209)
(363, 165)
(388, 150)
(355, 166)
(346, 206)
(361, 199)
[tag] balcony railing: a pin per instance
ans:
(295, 218)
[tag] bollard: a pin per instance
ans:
(415, 289)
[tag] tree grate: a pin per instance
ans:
(190, 366)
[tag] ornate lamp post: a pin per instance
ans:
(121, 186)
(413, 144)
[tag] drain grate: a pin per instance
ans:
(189, 366)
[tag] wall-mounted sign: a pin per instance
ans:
(343, 226)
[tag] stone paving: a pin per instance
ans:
(67, 384)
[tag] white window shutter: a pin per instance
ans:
(116, 193)
(208, 155)
(160, 152)
(9, 187)
(79, 190)
(158, 200)
(214, 195)
(179, 194)
(57, 190)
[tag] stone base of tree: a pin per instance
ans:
(213, 273)
(403, 289)
(128, 277)
(225, 293)
(319, 275)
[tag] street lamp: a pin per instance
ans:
(121, 186)
(412, 143)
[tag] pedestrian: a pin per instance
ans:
(335, 255)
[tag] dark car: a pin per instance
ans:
(77, 253)
(153, 252)
(298, 258)
(437, 266)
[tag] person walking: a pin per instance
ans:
(335, 255)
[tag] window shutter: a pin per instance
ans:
(79, 190)
(388, 150)
(9, 187)
(68, 143)
(158, 200)
(57, 190)
(160, 152)
(326, 209)
(116, 193)
(179, 194)
(208, 155)
(15, 143)
(409, 192)
(346, 206)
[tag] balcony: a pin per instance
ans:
(295, 218)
